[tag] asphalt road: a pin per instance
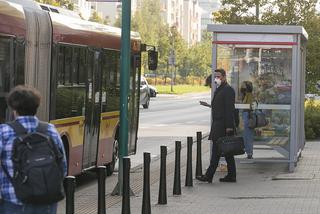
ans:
(170, 118)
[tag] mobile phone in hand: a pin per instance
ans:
(204, 103)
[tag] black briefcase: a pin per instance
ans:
(230, 145)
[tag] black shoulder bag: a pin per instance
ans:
(231, 145)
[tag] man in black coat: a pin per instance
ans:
(223, 123)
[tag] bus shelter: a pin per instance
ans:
(272, 58)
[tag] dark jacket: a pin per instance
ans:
(222, 111)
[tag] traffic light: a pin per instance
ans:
(152, 60)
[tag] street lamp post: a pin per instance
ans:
(172, 58)
(257, 2)
(124, 89)
(172, 62)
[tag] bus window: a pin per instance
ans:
(110, 81)
(67, 65)
(5, 53)
(60, 72)
(75, 66)
(82, 66)
(71, 90)
(19, 62)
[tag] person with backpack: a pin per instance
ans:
(33, 162)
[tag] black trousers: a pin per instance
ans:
(214, 161)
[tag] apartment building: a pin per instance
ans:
(185, 15)
(207, 7)
(191, 31)
(172, 13)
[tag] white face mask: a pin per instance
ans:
(217, 81)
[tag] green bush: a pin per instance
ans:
(312, 119)
(181, 89)
(190, 80)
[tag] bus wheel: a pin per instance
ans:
(110, 166)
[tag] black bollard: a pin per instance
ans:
(163, 171)
(70, 183)
(189, 181)
(146, 204)
(177, 177)
(199, 161)
(101, 190)
(126, 186)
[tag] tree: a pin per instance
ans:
(201, 58)
(66, 3)
(239, 11)
(148, 22)
(50, 2)
(290, 12)
(117, 22)
(179, 46)
(163, 47)
(265, 11)
(106, 20)
(59, 3)
(313, 54)
(96, 18)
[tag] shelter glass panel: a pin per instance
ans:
(269, 69)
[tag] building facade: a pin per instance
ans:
(172, 13)
(207, 7)
(191, 31)
(185, 15)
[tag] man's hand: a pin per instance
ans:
(229, 131)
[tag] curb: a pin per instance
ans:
(183, 145)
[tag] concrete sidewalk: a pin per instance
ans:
(260, 188)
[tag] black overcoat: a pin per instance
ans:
(222, 111)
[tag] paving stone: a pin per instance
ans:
(256, 190)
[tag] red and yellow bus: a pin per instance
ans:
(76, 66)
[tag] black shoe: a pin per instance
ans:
(204, 178)
(228, 179)
(249, 157)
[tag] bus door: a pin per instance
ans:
(134, 96)
(93, 109)
(6, 71)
